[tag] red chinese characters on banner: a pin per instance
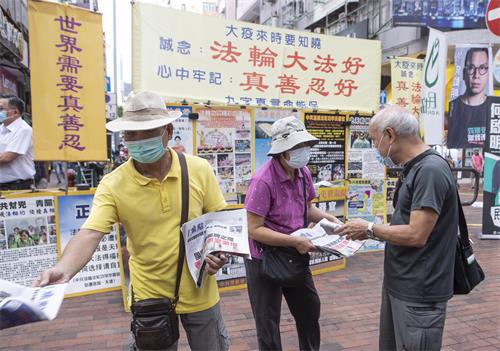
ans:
(345, 87)
(288, 84)
(69, 67)
(254, 80)
(352, 65)
(325, 64)
(296, 60)
(265, 58)
(317, 85)
(226, 52)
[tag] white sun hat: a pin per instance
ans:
(288, 132)
(142, 111)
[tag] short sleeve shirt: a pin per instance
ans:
(17, 137)
(272, 195)
(425, 274)
(150, 212)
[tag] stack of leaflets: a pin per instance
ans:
(213, 233)
(323, 236)
(20, 305)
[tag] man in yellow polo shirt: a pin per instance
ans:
(144, 194)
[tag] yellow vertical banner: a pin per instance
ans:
(67, 82)
(406, 77)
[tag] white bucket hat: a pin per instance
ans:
(288, 132)
(144, 110)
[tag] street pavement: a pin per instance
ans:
(349, 314)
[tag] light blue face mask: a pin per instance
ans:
(384, 160)
(146, 150)
(3, 116)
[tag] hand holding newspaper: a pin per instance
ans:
(211, 233)
(323, 236)
(21, 305)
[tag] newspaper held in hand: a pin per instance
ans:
(21, 305)
(212, 233)
(323, 236)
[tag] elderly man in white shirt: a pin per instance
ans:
(17, 167)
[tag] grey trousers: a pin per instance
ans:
(205, 331)
(410, 326)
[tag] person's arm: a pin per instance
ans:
(414, 234)
(76, 255)
(7, 157)
(315, 215)
(257, 231)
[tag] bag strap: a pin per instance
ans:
(305, 197)
(184, 218)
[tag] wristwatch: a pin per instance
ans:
(369, 232)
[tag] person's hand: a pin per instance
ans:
(304, 245)
(357, 229)
(215, 262)
(51, 276)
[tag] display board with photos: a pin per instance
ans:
(327, 161)
(224, 139)
(102, 272)
(28, 240)
(182, 138)
(362, 161)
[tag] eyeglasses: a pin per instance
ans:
(471, 70)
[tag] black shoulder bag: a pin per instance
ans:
(467, 271)
(285, 265)
(155, 324)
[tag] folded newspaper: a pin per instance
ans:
(323, 237)
(212, 233)
(21, 305)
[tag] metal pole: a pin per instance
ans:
(114, 50)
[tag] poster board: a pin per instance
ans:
(328, 157)
(102, 272)
(224, 139)
(28, 241)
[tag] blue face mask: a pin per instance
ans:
(146, 150)
(384, 160)
(3, 116)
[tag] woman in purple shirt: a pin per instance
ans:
(276, 203)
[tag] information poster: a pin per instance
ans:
(27, 238)
(491, 195)
(327, 162)
(102, 273)
(389, 197)
(366, 199)
(182, 139)
(264, 119)
(223, 137)
(362, 161)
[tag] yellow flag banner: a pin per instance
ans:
(67, 82)
(183, 55)
(406, 76)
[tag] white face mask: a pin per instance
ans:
(299, 157)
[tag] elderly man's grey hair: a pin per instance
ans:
(397, 118)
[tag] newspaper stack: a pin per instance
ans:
(212, 233)
(323, 237)
(20, 305)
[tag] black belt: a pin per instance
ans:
(17, 185)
